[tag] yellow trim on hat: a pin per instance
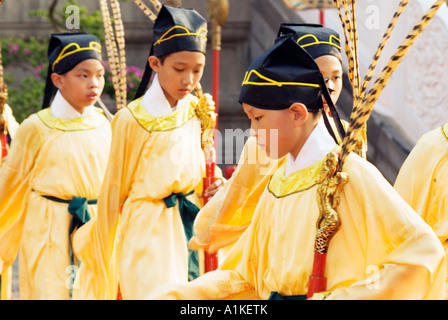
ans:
(316, 41)
(93, 45)
(187, 33)
(271, 82)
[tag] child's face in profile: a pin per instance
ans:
(82, 85)
(179, 73)
(273, 130)
(331, 69)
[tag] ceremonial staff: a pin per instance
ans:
(115, 47)
(333, 178)
(217, 11)
(6, 276)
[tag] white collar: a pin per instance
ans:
(155, 102)
(61, 108)
(317, 146)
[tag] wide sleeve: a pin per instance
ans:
(403, 257)
(228, 214)
(225, 283)
(15, 175)
(422, 182)
(94, 242)
(13, 125)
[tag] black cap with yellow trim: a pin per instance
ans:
(179, 29)
(316, 39)
(286, 74)
(175, 29)
(65, 51)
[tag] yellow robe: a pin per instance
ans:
(56, 157)
(6, 276)
(151, 158)
(383, 249)
(228, 214)
(422, 181)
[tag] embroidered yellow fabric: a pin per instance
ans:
(164, 123)
(82, 123)
(444, 129)
(95, 46)
(281, 186)
(201, 33)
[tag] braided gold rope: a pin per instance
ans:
(119, 36)
(116, 57)
(333, 178)
(151, 15)
(205, 111)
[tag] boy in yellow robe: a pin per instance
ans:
(383, 249)
(155, 171)
(52, 176)
(422, 182)
(228, 214)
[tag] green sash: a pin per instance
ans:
(278, 296)
(77, 207)
(188, 212)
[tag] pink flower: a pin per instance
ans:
(36, 70)
(13, 48)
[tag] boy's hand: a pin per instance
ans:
(212, 189)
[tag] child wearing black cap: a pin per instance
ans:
(51, 179)
(382, 249)
(155, 172)
(229, 213)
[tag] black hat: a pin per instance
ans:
(316, 39)
(175, 29)
(283, 75)
(179, 29)
(65, 51)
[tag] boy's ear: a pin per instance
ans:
(56, 79)
(299, 113)
(154, 63)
